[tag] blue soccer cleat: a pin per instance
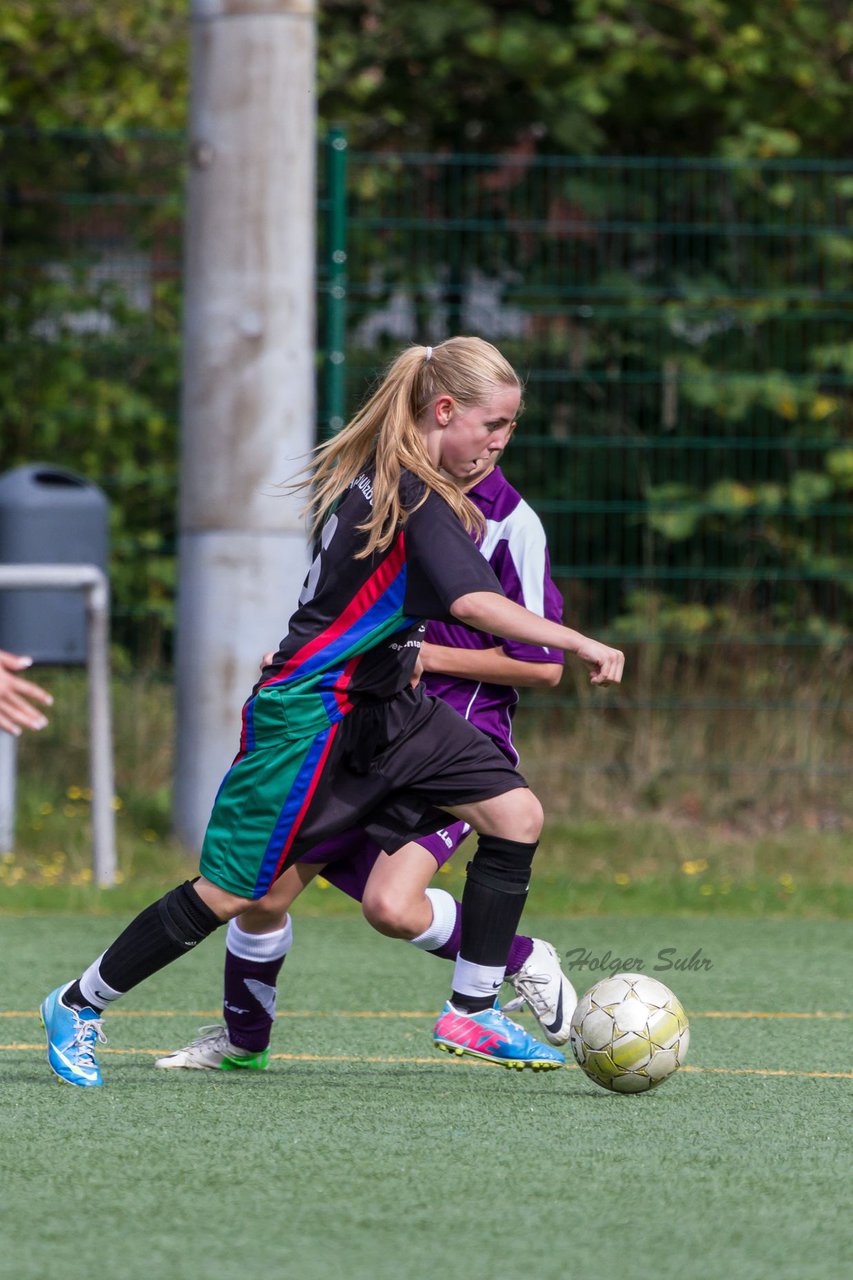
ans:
(493, 1036)
(71, 1039)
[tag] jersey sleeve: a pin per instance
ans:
(521, 562)
(442, 562)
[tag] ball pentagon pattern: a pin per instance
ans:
(629, 1033)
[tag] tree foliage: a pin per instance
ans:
(92, 65)
(90, 259)
(662, 77)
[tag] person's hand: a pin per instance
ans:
(16, 712)
(425, 658)
(606, 664)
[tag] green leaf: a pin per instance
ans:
(839, 464)
(808, 488)
(728, 497)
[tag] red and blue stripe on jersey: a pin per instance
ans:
(318, 677)
(326, 664)
(374, 613)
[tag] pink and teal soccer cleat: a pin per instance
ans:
(494, 1037)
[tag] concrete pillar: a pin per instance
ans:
(248, 411)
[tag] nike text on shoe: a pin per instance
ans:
(494, 1037)
(71, 1039)
(541, 983)
(212, 1051)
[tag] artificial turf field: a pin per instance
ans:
(364, 1153)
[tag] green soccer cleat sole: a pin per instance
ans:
(251, 1062)
(519, 1064)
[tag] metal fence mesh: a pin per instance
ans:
(683, 328)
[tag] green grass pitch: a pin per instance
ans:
(363, 1153)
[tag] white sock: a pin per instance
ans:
(443, 921)
(259, 946)
(477, 979)
(97, 993)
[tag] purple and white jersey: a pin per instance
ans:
(514, 545)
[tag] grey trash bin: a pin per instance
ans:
(49, 516)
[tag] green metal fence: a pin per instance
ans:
(683, 328)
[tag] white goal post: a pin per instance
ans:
(91, 580)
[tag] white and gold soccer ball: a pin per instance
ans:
(629, 1033)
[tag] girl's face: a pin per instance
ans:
(466, 442)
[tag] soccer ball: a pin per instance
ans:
(629, 1033)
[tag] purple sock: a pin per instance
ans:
(519, 951)
(249, 1003)
(252, 965)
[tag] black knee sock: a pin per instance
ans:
(492, 902)
(159, 934)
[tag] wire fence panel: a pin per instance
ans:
(683, 328)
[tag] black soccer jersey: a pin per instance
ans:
(359, 623)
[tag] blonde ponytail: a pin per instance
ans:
(385, 434)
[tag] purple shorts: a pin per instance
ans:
(350, 857)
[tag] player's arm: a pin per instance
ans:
(490, 612)
(491, 665)
(448, 575)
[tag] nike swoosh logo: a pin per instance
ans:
(87, 1074)
(558, 1021)
(496, 986)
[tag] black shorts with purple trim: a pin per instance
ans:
(349, 858)
(390, 766)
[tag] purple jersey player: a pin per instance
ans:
(478, 675)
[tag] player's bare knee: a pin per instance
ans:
(262, 917)
(222, 902)
(528, 818)
(386, 914)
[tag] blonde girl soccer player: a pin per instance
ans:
(334, 735)
(478, 676)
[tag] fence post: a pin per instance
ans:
(336, 266)
(8, 788)
(101, 771)
(92, 580)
